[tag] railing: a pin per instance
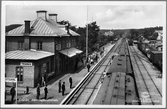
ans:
(83, 81)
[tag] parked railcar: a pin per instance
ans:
(156, 58)
(130, 42)
(153, 55)
(119, 89)
(119, 84)
(120, 63)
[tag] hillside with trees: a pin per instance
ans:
(98, 37)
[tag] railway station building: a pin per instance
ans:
(40, 49)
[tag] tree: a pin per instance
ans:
(93, 30)
(133, 34)
(64, 22)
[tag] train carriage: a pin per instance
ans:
(156, 58)
(120, 63)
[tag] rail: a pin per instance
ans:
(84, 80)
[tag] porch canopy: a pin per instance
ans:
(27, 55)
(71, 52)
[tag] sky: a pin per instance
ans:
(108, 15)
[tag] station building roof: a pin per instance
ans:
(41, 27)
(27, 55)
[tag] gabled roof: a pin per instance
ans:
(41, 27)
(27, 55)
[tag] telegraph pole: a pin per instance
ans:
(87, 36)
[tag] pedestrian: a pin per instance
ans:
(38, 91)
(113, 57)
(96, 58)
(70, 80)
(88, 66)
(59, 86)
(27, 90)
(12, 92)
(46, 91)
(43, 81)
(63, 88)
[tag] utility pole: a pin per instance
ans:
(87, 36)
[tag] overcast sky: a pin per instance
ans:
(108, 15)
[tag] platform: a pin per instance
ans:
(149, 86)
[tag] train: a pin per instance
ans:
(120, 80)
(151, 52)
(152, 49)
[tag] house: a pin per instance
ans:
(40, 49)
(160, 34)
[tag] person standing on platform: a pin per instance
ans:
(38, 91)
(46, 91)
(12, 92)
(43, 81)
(59, 86)
(63, 88)
(88, 66)
(96, 58)
(70, 80)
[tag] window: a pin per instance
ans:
(63, 45)
(68, 44)
(39, 45)
(74, 43)
(20, 45)
(19, 73)
(58, 46)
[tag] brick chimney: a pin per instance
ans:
(26, 35)
(53, 17)
(42, 14)
(27, 27)
(26, 43)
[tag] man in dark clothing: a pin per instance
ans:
(88, 66)
(12, 92)
(70, 80)
(38, 91)
(59, 86)
(96, 58)
(63, 88)
(46, 91)
(27, 90)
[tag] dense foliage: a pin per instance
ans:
(146, 32)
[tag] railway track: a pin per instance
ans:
(150, 94)
(86, 90)
(119, 87)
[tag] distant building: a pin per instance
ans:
(158, 37)
(106, 32)
(160, 34)
(41, 48)
(109, 33)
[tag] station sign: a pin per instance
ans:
(10, 79)
(26, 63)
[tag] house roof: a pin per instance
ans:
(41, 27)
(27, 55)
